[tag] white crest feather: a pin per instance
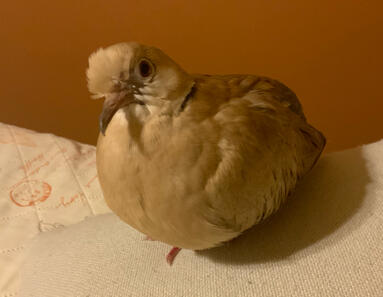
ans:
(106, 66)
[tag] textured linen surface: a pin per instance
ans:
(326, 241)
(45, 182)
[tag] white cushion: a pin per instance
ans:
(326, 241)
(45, 182)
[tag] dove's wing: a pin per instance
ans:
(263, 145)
(263, 96)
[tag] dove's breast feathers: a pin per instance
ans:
(225, 162)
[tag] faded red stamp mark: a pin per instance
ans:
(33, 166)
(89, 183)
(28, 193)
(68, 201)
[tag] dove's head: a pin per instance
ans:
(131, 73)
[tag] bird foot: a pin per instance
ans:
(172, 254)
(148, 238)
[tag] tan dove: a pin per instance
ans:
(195, 160)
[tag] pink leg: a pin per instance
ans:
(172, 254)
(148, 238)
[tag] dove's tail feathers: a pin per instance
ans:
(314, 143)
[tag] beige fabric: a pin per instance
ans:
(326, 241)
(45, 181)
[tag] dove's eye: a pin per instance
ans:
(145, 68)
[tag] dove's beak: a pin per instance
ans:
(113, 102)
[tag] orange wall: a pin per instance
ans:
(328, 52)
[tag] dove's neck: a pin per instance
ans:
(137, 114)
(171, 105)
(174, 107)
